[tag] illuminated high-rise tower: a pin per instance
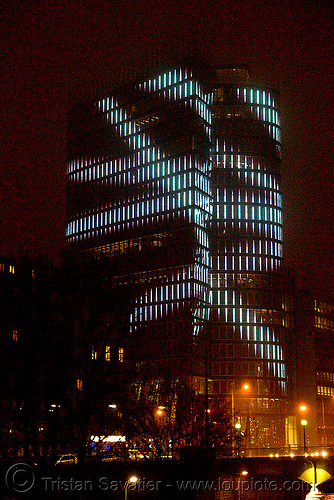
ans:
(174, 179)
(251, 307)
(139, 193)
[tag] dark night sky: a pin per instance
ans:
(51, 48)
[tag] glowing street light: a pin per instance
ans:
(236, 393)
(160, 411)
(303, 408)
(247, 389)
(131, 480)
(242, 473)
(304, 424)
(237, 436)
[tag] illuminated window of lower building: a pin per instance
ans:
(15, 335)
(94, 353)
(107, 355)
(325, 391)
(120, 354)
(79, 384)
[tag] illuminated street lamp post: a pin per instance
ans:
(247, 387)
(314, 481)
(236, 425)
(304, 424)
(237, 438)
(131, 480)
(243, 473)
(244, 386)
(303, 409)
(160, 411)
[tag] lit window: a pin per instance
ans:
(120, 354)
(107, 354)
(94, 353)
(79, 384)
(15, 336)
(12, 269)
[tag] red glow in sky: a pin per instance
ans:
(50, 49)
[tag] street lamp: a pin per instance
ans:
(237, 425)
(160, 411)
(131, 480)
(242, 473)
(234, 394)
(304, 424)
(314, 481)
(244, 386)
(247, 388)
(160, 414)
(237, 437)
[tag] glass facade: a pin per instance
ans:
(149, 197)
(175, 177)
(251, 306)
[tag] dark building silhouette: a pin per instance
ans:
(314, 367)
(35, 349)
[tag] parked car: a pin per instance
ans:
(67, 460)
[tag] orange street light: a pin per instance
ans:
(303, 407)
(131, 480)
(160, 411)
(304, 424)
